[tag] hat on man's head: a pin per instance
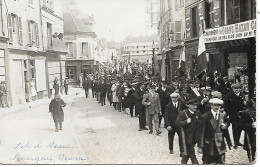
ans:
(215, 101)
(191, 81)
(206, 88)
(57, 96)
(237, 85)
(192, 101)
(174, 95)
(216, 94)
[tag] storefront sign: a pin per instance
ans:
(241, 30)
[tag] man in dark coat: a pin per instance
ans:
(203, 104)
(171, 113)
(103, 91)
(56, 85)
(226, 86)
(210, 138)
(66, 85)
(163, 100)
(234, 104)
(248, 124)
(120, 93)
(140, 108)
(56, 109)
(189, 120)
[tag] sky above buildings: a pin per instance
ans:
(117, 19)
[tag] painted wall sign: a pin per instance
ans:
(241, 30)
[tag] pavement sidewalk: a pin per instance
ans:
(32, 104)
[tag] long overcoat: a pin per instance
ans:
(56, 107)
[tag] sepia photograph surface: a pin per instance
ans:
(128, 82)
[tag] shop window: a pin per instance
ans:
(71, 72)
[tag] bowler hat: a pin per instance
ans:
(237, 85)
(57, 96)
(174, 95)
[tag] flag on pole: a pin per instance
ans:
(182, 57)
(124, 71)
(201, 47)
(129, 69)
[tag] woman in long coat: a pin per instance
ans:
(56, 108)
(114, 97)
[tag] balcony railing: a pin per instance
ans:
(54, 44)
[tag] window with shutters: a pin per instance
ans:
(75, 50)
(32, 69)
(14, 22)
(20, 31)
(10, 28)
(240, 10)
(85, 49)
(69, 46)
(33, 33)
(194, 15)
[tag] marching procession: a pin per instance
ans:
(200, 114)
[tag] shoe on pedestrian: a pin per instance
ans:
(139, 129)
(145, 128)
(150, 132)
(229, 147)
(60, 128)
(171, 151)
(235, 147)
(158, 132)
(56, 130)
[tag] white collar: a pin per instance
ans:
(192, 112)
(214, 113)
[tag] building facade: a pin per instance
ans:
(140, 49)
(230, 38)
(53, 42)
(26, 58)
(171, 30)
(81, 44)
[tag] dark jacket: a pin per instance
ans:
(164, 99)
(138, 99)
(233, 104)
(57, 111)
(210, 136)
(190, 129)
(103, 88)
(171, 114)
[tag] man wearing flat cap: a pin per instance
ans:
(204, 105)
(188, 119)
(56, 109)
(234, 103)
(152, 102)
(210, 137)
(171, 113)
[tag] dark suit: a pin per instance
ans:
(171, 114)
(211, 139)
(103, 90)
(140, 108)
(164, 100)
(234, 104)
(190, 131)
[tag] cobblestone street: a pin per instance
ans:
(111, 137)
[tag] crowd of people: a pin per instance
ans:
(200, 115)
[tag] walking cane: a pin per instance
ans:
(50, 121)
